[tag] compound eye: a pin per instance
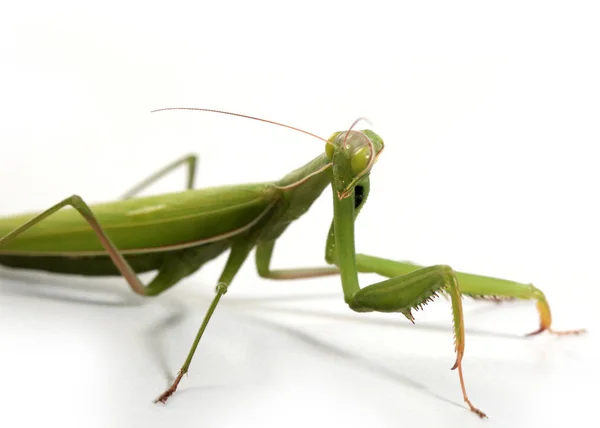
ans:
(329, 150)
(360, 160)
(330, 145)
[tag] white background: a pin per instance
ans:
(490, 115)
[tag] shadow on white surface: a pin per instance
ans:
(272, 363)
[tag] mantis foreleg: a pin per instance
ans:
(476, 286)
(410, 286)
(413, 290)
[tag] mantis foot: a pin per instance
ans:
(477, 411)
(546, 318)
(458, 365)
(165, 395)
(557, 332)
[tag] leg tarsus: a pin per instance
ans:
(474, 409)
(557, 332)
(171, 390)
(546, 316)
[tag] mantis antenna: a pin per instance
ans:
(352, 126)
(244, 116)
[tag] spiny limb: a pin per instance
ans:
(411, 291)
(190, 160)
(476, 286)
(264, 253)
(494, 299)
(237, 256)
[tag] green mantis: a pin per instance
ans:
(176, 234)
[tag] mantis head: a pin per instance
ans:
(352, 154)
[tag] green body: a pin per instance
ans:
(151, 229)
(176, 234)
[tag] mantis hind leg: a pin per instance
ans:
(174, 267)
(191, 161)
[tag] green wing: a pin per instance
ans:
(143, 223)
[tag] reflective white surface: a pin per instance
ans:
(490, 120)
(290, 357)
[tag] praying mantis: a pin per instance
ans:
(175, 234)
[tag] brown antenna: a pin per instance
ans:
(352, 126)
(244, 116)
